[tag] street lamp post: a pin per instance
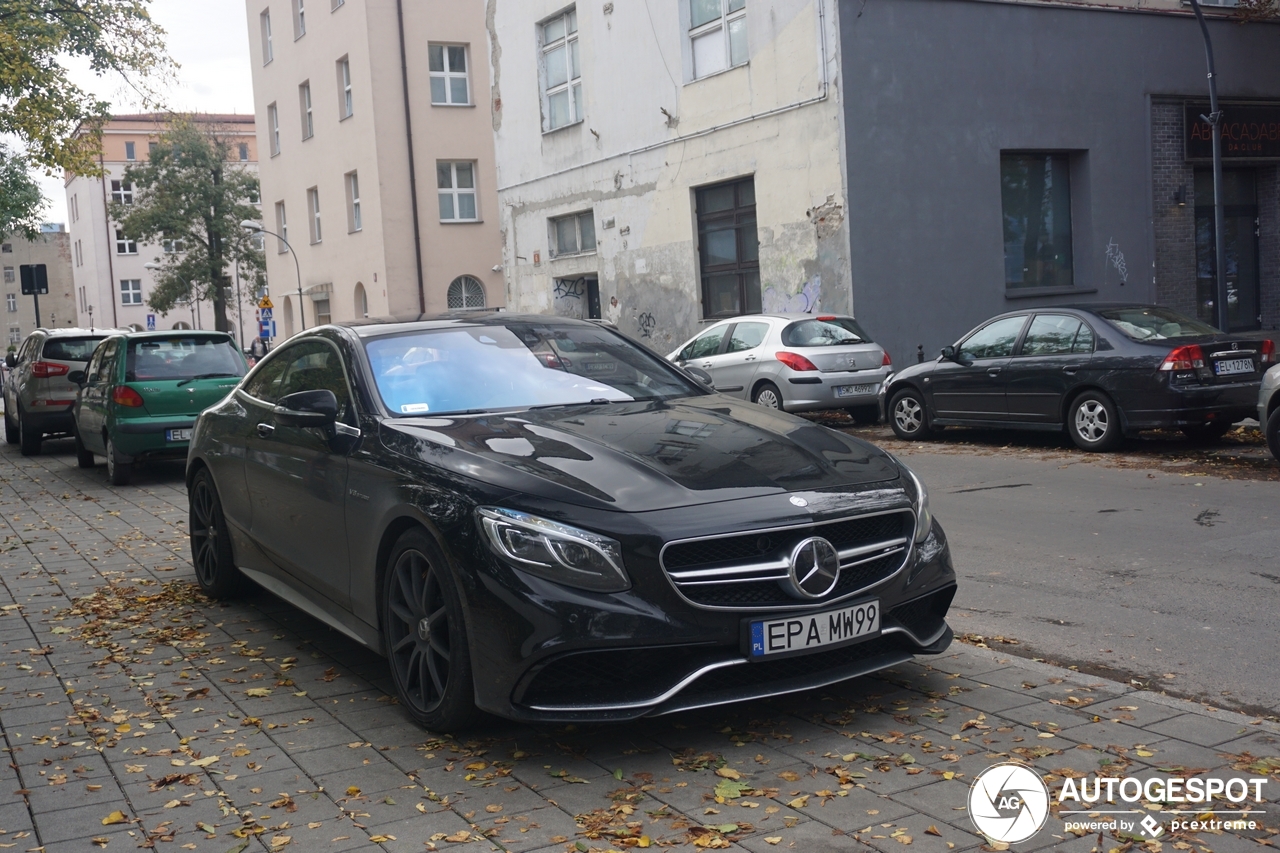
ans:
(1214, 118)
(250, 225)
(191, 300)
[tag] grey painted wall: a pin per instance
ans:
(935, 89)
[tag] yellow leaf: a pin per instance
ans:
(420, 807)
(1045, 735)
(459, 837)
(902, 839)
(114, 817)
(933, 830)
(173, 804)
(278, 841)
(799, 802)
(477, 765)
(353, 791)
(1144, 753)
(728, 773)
(379, 839)
(773, 839)
(645, 841)
(948, 775)
(493, 808)
(789, 776)
(204, 762)
(258, 692)
(125, 727)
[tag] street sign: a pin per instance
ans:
(266, 328)
(151, 322)
(264, 313)
(35, 279)
(265, 302)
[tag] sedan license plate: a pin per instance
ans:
(855, 390)
(1231, 366)
(177, 435)
(815, 631)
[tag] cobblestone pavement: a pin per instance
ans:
(138, 714)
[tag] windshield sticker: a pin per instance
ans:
(413, 408)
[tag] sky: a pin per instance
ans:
(210, 41)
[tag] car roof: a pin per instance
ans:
(370, 327)
(171, 333)
(76, 332)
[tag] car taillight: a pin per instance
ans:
(123, 395)
(1268, 352)
(45, 369)
(1189, 357)
(886, 361)
(795, 361)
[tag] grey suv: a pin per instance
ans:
(37, 394)
(1269, 409)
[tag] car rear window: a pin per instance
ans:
(824, 332)
(1149, 323)
(69, 349)
(182, 358)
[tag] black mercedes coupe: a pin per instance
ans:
(539, 518)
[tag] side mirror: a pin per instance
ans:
(11, 360)
(949, 353)
(77, 377)
(308, 409)
(702, 376)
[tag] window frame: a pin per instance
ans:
(306, 108)
(553, 234)
(346, 97)
(1067, 161)
(122, 191)
(130, 291)
(299, 19)
(455, 191)
(569, 41)
(282, 228)
(11, 302)
(268, 45)
(10, 275)
(124, 243)
(313, 215)
(461, 282)
(130, 150)
(355, 221)
(273, 126)
(448, 75)
(722, 22)
(172, 245)
(738, 214)
(243, 152)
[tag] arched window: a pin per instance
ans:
(182, 325)
(287, 311)
(466, 293)
(135, 327)
(362, 301)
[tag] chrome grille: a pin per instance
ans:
(746, 570)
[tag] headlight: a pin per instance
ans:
(924, 518)
(555, 551)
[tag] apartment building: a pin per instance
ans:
(112, 282)
(57, 307)
(378, 170)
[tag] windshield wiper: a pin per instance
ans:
(597, 401)
(204, 376)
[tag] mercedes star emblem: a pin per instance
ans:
(815, 568)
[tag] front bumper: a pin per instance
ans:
(808, 391)
(1173, 406)
(544, 652)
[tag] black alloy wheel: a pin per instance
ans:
(28, 439)
(424, 634)
(907, 415)
(1207, 432)
(211, 553)
(1093, 422)
(768, 395)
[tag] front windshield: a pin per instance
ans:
(182, 358)
(517, 366)
(1156, 324)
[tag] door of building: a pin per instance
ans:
(1240, 202)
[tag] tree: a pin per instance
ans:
(39, 103)
(1257, 10)
(21, 202)
(191, 191)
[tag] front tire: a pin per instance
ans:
(118, 472)
(10, 428)
(425, 635)
(211, 553)
(1273, 433)
(28, 439)
(907, 415)
(865, 415)
(84, 456)
(1094, 423)
(767, 395)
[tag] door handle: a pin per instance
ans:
(1070, 371)
(265, 430)
(750, 358)
(992, 371)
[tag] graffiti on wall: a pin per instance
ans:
(775, 300)
(1116, 258)
(645, 324)
(570, 288)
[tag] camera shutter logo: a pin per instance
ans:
(1008, 802)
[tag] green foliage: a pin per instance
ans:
(39, 103)
(1257, 10)
(191, 189)
(21, 203)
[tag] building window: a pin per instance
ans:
(321, 307)
(9, 277)
(336, 4)
(122, 192)
(15, 335)
(457, 185)
(448, 65)
(73, 209)
(130, 151)
(573, 234)
(728, 249)
(465, 293)
(354, 222)
(6, 248)
(345, 105)
(253, 197)
(151, 149)
(79, 257)
(273, 122)
(299, 19)
(361, 300)
(125, 245)
(282, 228)
(173, 247)
(244, 152)
(561, 73)
(268, 49)
(130, 291)
(313, 207)
(10, 299)
(717, 35)
(1036, 193)
(304, 105)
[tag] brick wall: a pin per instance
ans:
(1173, 225)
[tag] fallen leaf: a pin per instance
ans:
(790, 775)
(493, 808)
(933, 830)
(380, 839)
(258, 692)
(278, 841)
(114, 817)
(728, 773)
(799, 802)
(772, 839)
(459, 837)
(204, 762)
(353, 791)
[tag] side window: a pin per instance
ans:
(265, 382)
(315, 366)
(106, 360)
(27, 351)
(747, 336)
(1051, 334)
(708, 343)
(994, 340)
(1084, 339)
(91, 372)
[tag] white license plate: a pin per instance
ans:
(855, 390)
(177, 435)
(815, 631)
(1230, 366)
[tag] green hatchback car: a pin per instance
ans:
(141, 393)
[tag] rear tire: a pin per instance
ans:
(84, 456)
(211, 553)
(10, 428)
(28, 439)
(908, 417)
(767, 395)
(1093, 422)
(865, 415)
(1206, 433)
(1273, 433)
(118, 472)
(425, 636)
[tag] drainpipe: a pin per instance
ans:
(413, 174)
(1214, 118)
(111, 238)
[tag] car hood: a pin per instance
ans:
(636, 457)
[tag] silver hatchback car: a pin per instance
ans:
(37, 393)
(796, 362)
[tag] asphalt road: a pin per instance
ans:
(1167, 574)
